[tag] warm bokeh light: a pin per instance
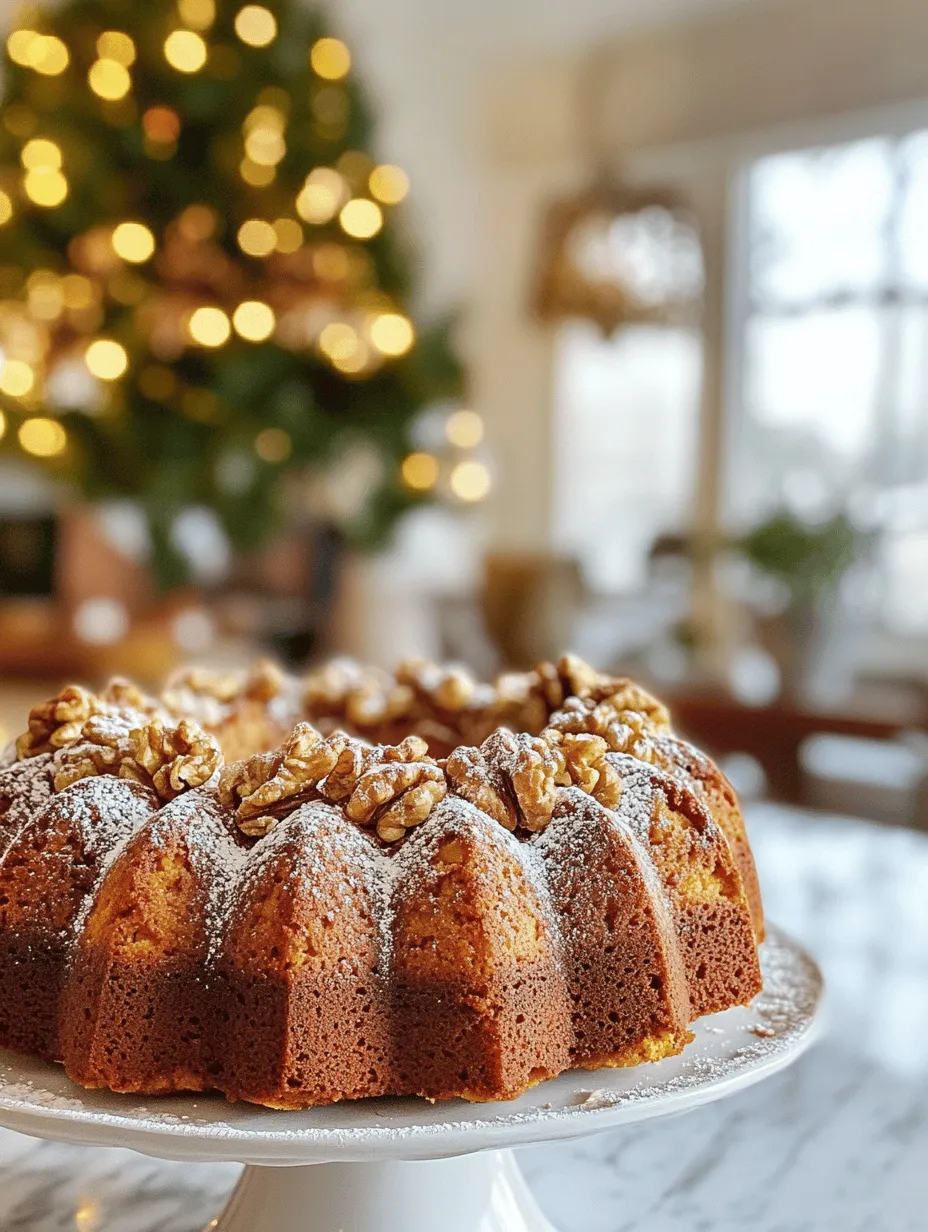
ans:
(330, 262)
(321, 195)
(338, 341)
(256, 175)
(254, 320)
(361, 219)
(45, 186)
(77, 291)
(265, 146)
(109, 79)
(106, 359)
(330, 58)
(392, 334)
(44, 295)
(464, 429)
(133, 242)
(420, 471)
(273, 445)
(114, 45)
(2, 425)
(470, 481)
(161, 124)
(197, 222)
(16, 378)
(19, 44)
(289, 234)
(256, 25)
(40, 153)
(209, 326)
(197, 14)
(43, 52)
(42, 437)
(6, 207)
(388, 183)
(257, 238)
(185, 51)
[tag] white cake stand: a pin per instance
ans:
(404, 1165)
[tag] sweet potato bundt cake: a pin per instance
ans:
(430, 886)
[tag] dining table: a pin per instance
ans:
(836, 1143)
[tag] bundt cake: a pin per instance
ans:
(360, 883)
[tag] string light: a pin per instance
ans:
(161, 124)
(330, 59)
(255, 25)
(388, 183)
(185, 51)
(265, 146)
(273, 445)
(16, 378)
(133, 242)
(209, 326)
(197, 222)
(338, 341)
(256, 175)
(109, 79)
(197, 14)
(289, 235)
(254, 320)
(106, 359)
(77, 291)
(419, 471)
(44, 294)
(470, 481)
(42, 437)
(257, 238)
(392, 334)
(44, 53)
(321, 195)
(114, 45)
(361, 219)
(6, 207)
(45, 186)
(40, 153)
(464, 429)
(330, 261)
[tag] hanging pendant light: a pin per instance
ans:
(615, 253)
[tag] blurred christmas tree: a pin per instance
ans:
(201, 284)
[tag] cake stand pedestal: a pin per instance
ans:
(403, 1165)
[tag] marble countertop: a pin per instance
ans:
(838, 1143)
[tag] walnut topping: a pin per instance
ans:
(586, 767)
(624, 731)
(169, 759)
(513, 778)
(390, 787)
(122, 694)
(264, 786)
(58, 722)
(572, 678)
(445, 688)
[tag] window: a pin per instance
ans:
(626, 443)
(835, 350)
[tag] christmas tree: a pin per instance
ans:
(202, 284)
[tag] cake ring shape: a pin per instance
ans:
(300, 891)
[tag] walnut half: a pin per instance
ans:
(169, 759)
(58, 722)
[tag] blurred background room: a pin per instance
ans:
(478, 332)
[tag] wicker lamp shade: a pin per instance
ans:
(619, 255)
